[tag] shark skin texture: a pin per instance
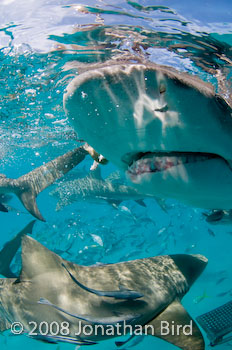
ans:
(138, 292)
(167, 130)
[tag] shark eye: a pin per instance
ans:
(162, 88)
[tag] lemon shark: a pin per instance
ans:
(168, 130)
(9, 250)
(139, 292)
(93, 187)
(28, 186)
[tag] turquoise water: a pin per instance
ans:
(41, 43)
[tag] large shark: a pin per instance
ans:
(94, 188)
(136, 293)
(9, 250)
(27, 187)
(167, 129)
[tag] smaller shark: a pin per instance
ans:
(28, 186)
(53, 290)
(94, 188)
(219, 217)
(10, 248)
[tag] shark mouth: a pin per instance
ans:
(161, 161)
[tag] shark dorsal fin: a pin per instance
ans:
(188, 338)
(37, 259)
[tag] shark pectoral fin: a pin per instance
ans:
(186, 334)
(141, 202)
(4, 325)
(28, 199)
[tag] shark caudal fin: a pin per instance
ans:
(28, 186)
(176, 327)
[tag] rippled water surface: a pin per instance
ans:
(43, 44)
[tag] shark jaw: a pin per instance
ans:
(198, 179)
(132, 112)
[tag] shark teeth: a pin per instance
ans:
(153, 163)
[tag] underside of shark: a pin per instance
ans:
(168, 130)
(138, 293)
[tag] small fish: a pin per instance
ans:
(211, 233)
(200, 298)
(220, 280)
(123, 293)
(60, 251)
(223, 294)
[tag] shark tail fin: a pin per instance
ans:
(28, 199)
(186, 334)
(28, 186)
